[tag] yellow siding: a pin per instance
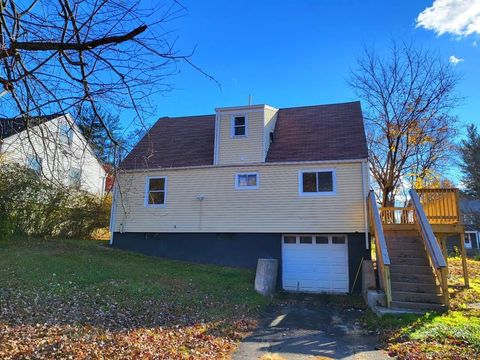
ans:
(275, 207)
(241, 150)
(270, 121)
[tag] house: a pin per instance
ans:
(470, 211)
(54, 147)
(250, 182)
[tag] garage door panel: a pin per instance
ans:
(315, 267)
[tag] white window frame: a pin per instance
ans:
(476, 238)
(319, 193)
(329, 236)
(37, 159)
(79, 183)
(238, 187)
(68, 133)
(232, 126)
(147, 191)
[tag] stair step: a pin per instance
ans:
(417, 297)
(411, 278)
(401, 252)
(408, 247)
(404, 286)
(396, 260)
(411, 269)
(403, 240)
(417, 306)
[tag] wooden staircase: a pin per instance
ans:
(411, 265)
(413, 284)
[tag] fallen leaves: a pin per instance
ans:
(74, 329)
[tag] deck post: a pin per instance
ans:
(464, 259)
(442, 240)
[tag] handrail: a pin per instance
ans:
(377, 225)
(433, 249)
(383, 260)
(427, 233)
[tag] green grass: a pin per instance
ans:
(69, 269)
(83, 299)
(455, 334)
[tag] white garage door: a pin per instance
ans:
(315, 263)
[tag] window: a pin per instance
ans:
(289, 239)
(317, 182)
(34, 162)
(75, 177)
(239, 126)
(338, 239)
(317, 239)
(305, 239)
(156, 191)
(470, 239)
(246, 181)
(321, 239)
(66, 134)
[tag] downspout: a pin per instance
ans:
(113, 211)
(365, 185)
(216, 140)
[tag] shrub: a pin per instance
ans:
(35, 207)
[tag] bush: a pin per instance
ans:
(35, 207)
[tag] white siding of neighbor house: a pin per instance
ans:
(57, 158)
(275, 207)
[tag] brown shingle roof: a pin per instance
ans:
(175, 142)
(310, 133)
(322, 132)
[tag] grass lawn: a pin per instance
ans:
(453, 335)
(82, 299)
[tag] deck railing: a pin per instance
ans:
(441, 205)
(397, 215)
(383, 260)
(437, 260)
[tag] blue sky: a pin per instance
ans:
(292, 53)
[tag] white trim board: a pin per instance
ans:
(320, 193)
(147, 190)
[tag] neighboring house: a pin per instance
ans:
(470, 210)
(252, 182)
(54, 147)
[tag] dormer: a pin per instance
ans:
(243, 134)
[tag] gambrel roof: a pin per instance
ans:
(309, 133)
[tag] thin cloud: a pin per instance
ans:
(474, 44)
(457, 17)
(454, 60)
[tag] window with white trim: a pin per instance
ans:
(246, 181)
(156, 191)
(239, 126)
(34, 162)
(317, 182)
(75, 177)
(66, 134)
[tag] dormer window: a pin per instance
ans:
(239, 126)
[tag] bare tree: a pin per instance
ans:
(59, 56)
(408, 96)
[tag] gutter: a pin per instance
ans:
(113, 211)
(283, 163)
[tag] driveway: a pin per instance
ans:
(311, 327)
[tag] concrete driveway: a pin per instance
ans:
(311, 327)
